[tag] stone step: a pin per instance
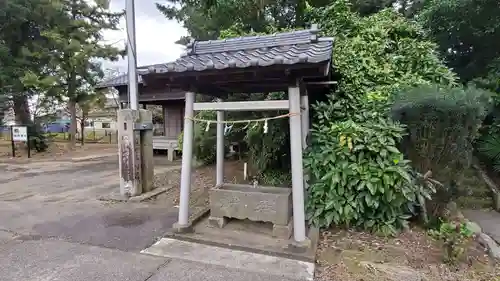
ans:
(240, 260)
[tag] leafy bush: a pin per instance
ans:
(442, 125)
(268, 153)
(38, 140)
(455, 237)
(358, 176)
(488, 147)
(205, 142)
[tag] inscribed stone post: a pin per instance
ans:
(135, 149)
(129, 153)
(146, 141)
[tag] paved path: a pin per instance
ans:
(489, 221)
(52, 227)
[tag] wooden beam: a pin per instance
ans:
(243, 105)
(321, 83)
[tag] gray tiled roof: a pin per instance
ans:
(120, 80)
(288, 48)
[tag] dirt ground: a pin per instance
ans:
(202, 180)
(56, 150)
(356, 256)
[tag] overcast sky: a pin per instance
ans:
(155, 35)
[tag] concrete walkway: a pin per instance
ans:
(52, 227)
(489, 221)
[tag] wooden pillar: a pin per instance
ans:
(187, 157)
(166, 130)
(165, 117)
(220, 148)
(299, 221)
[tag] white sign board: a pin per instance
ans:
(19, 133)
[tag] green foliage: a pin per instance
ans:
(38, 141)
(442, 124)
(75, 46)
(205, 142)
(205, 20)
(267, 154)
(455, 237)
(21, 42)
(358, 175)
(467, 32)
(488, 147)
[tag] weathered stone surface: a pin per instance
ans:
(147, 165)
(490, 244)
(217, 222)
(496, 199)
(257, 204)
(393, 272)
(299, 247)
(283, 231)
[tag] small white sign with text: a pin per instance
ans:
(19, 133)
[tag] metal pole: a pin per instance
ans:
(219, 179)
(299, 225)
(187, 156)
(131, 55)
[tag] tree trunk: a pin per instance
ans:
(22, 109)
(73, 124)
(82, 127)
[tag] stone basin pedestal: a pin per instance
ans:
(264, 204)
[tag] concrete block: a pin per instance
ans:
(235, 260)
(266, 204)
(217, 222)
(283, 231)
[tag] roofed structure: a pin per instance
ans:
(223, 66)
(257, 64)
(121, 80)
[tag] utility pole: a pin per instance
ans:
(133, 93)
(135, 126)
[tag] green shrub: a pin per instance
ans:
(442, 126)
(488, 147)
(205, 142)
(455, 237)
(358, 175)
(38, 140)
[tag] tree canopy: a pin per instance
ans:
(467, 33)
(52, 48)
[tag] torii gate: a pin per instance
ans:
(269, 63)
